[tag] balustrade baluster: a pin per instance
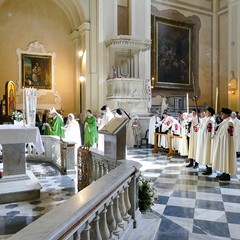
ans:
(76, 235)
(127, 217)
(117, 212)
(95, 231)
(105, 233)
(85, 234)
(122, 206)
(100, 170)
(105, 168)
(112, 225)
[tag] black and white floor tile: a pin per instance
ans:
(191, 206)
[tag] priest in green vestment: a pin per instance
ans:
(56, 127)
(90, 130)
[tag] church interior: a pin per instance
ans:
(141, 56)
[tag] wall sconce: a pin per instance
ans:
(232, 85)
(80, 53)
(152, 83)
(81, 78)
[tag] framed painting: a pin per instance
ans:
(174, 52)
(36, 71)
(10, 92)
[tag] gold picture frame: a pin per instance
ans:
(36, 71)
(174, 52)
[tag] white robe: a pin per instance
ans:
(193, 136)
(176, 131)
(154, 122)
(72, 132)
(223, 150)
(166, 125)
(237, 134)
(106, 118)
(205, 134)
(183, 142)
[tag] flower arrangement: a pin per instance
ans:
(146, 193)
(18, 116)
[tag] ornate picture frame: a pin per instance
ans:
(174, 52)
(27, 59)
(36, 71)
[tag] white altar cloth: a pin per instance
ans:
(14, 134)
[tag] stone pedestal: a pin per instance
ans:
(14, 159)
(17, 184)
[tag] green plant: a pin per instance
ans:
(146, 193)
(18, 116)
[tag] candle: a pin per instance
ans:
(23, 102)
(187, 103)
(216, 100)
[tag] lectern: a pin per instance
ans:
(115, 138)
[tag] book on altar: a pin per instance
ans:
(114, 125)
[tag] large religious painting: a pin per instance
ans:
(36, 71)
(174, 52)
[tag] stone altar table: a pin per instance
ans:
(13, 139)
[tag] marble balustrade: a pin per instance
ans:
(106, 209)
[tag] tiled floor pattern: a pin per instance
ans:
(190, 205)
(56, 188)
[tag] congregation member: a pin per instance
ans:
(136, 128)
(90, 130)
(72, 131)
(223, 149)
(193, 136)
(154, 124)
(205, 134)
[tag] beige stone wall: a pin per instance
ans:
(22, 22)
(203, 10)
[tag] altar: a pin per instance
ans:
(24, 184)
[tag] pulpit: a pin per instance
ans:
(17, 183)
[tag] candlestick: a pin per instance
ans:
(216, 100)
(187, 103)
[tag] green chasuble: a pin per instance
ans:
(46, 129)
(90, 131)
(56, 127)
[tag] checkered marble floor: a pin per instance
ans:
(191, 206)
(56, 189)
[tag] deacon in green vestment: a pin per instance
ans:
(90, 129)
